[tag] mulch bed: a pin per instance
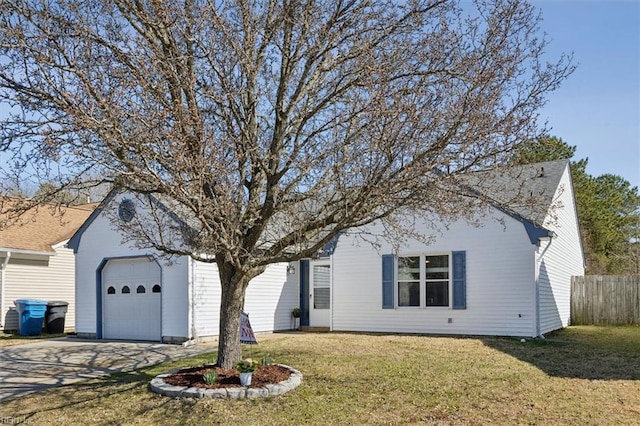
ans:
(194, 377)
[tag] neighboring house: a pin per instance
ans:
(506, 274)
(34, 262)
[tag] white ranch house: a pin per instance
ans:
(509, 277)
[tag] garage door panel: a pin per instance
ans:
(131, 309)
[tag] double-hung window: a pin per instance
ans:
(437, 280)
(409, 281)
(424, 280)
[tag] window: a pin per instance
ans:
(441, 280)
(321, 286)
(111, 290)
(156, 289)
(437, 280)
(127, 210)
(423, 281)
(126, 290)
(409, 281)
(141, 289)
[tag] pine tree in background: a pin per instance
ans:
(608, 209)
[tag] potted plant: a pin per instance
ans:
(296, 318)
(246, 367)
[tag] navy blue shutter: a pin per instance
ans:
(387, 281)
(459, 280)
(304, 292)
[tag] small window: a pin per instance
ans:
(111, 290)
(409, 281)
(140, 289)
(156, 288)
(437, 280)
(126, 290)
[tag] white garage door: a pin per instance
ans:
(131, 300)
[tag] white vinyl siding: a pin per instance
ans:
(50, 279)
(271, 298)
(500, 293)
(269, 301)
(558, 260)
(99, 242)
(206, 299)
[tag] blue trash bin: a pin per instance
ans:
(30, 316)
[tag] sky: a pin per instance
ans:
(597, 109)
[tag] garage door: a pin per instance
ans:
(131, 297)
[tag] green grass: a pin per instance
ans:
(623, 338)
(581, 375)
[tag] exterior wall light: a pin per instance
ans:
(291, 269)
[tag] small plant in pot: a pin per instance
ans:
(295, 313)
(246, 367)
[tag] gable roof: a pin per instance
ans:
(524, 191)
(41, 228)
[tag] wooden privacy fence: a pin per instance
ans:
(605, 300)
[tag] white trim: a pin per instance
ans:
(28, 252)
(535, 324)
(332, 295)
(321, 262)
(61, 244)
(3, 268)
(423, 280)
(191, 271)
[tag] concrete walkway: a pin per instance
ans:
(46, 364)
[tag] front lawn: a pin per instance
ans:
(582, 375)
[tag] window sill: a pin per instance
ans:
(426, 308)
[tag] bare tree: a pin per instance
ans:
(270, 126)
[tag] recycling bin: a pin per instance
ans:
(30, 316)
(54, 318)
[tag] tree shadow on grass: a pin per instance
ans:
(26, 369)
(571, 359)
(107, 392)
(80, 394)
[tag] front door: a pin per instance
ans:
(320, 293)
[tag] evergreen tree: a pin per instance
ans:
(608, 209)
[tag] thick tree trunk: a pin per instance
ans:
(229, 349)
(234, 286)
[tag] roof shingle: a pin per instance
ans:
(41, 228)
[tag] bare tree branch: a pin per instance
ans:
(269, 127)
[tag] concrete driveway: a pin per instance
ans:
(49, 363)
